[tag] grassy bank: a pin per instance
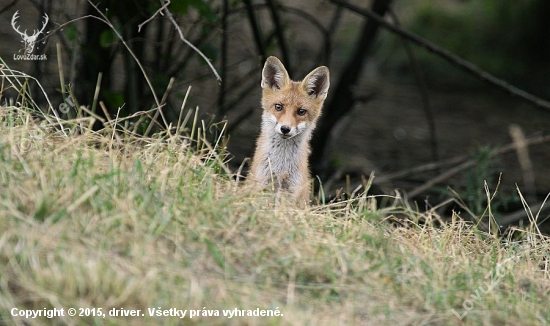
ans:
(98, 220)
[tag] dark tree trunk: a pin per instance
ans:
(95, 58)
(342, 99)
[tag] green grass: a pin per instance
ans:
(90, 220)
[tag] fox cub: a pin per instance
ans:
(290, 113)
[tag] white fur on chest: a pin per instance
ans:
(282, 158)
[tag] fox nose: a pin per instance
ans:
(285, 129)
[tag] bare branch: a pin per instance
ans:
(421, 169)
(325, 49)
(448, 174)
(158, 12)
(450, 57)
(526, 212)
(15, 83)
(173, 21)
(343, 97)
(106, 21)
(525, 163)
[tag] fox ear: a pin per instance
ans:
(317, 83)
(274, 74)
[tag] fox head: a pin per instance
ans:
(292, 108)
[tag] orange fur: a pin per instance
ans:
(290, 113)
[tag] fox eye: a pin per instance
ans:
(301, 112)
(278, 107)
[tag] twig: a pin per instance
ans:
(421, 168)
(60, 70)
(105, 112)
(114, 129)
(291, 10)
(60, 26)
(179, 125)
(158, 12)
(93, 115)
(303, 15)
(450, 57)
(24, 75)
(447, 174)
(343, 97)
(128, 117)
(533, 219)
(97, 89)
(106, 21)
(175, 69)
(442, 177)
(522, 151)
(238, 174)
(171, 18)
(521, 214)
(159, 111)
(493, 226)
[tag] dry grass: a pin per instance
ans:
(91, 220)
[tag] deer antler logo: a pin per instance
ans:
(29, 40)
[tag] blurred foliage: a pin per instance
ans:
(487, 170)
(156, 46)
(203, 8)
(508, 38)
(484, 171)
